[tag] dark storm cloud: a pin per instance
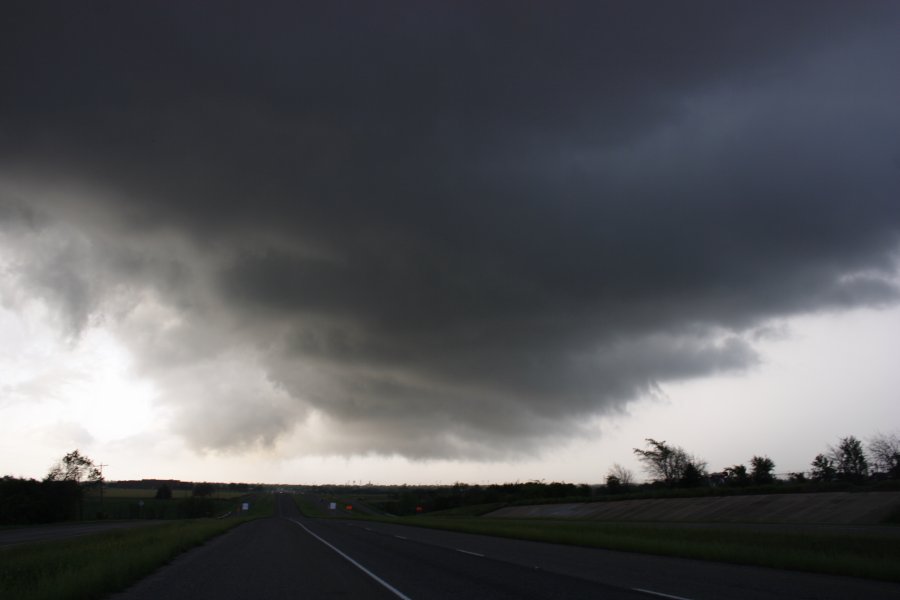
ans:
(450, 229)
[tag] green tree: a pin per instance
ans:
(761, 470)
(68, 476)
(822, 468)
(26, 501)
(661, 461)
(164, 492)
(668, 464)
(850, 460)
(737, 476)
(203, 489)
(692, 476)
(76, 467)
(196, 507)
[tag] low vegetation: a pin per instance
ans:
(94, 566)
(148, 507)
(74, 489)
(309, 506)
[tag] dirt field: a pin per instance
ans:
(836, 508)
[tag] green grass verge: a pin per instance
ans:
(893, 518)
(308, 506)
(869, 556)
(313, 507)
(145, 493)
(129, 508)
(472, 510)
(94, 566)
(126, 506)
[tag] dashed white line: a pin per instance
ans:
(660, 594)
(468, 552)
(400, 537)
(384, 583)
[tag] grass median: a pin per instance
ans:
(94, 566)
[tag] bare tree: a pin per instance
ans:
(885, 453)
(618, 478)
(624, 475)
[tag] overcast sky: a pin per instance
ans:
(421, 242)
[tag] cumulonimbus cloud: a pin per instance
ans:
(445, 230)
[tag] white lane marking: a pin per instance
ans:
(369, 529)
(660, 594)
(472, 553)
(384, 583)
(400, 537)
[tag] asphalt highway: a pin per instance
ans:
(289, 556)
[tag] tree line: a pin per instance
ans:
(60, 495)
(407, 500)
(57, 498)
(848, 461)
(671, 470)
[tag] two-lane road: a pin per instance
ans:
(266, 558)
(292, 557)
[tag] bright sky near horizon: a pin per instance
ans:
(426, 244)
(806, 394)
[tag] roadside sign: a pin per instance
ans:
(245, 506)
(333, 506)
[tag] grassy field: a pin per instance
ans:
(309, 506)
(124, 503)
(93, 566)
(147, 493)
(314, 507)
(472, 510)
